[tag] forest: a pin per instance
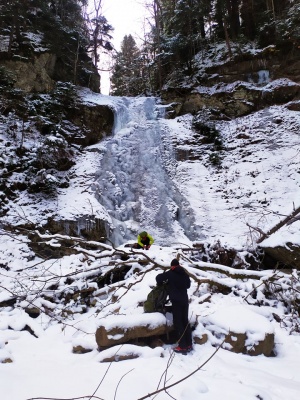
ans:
(177, 30)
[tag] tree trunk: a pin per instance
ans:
(227, 38)
(156, 6)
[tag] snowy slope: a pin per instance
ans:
(185, 198)
(37, 358)
(154, 174)
(144, 182)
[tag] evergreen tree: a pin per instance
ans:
(100, 36)
(61, 27)
(99, 31)
(127, 79)
(179, 28)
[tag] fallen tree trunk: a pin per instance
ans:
(280, 224)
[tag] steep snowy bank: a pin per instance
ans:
(143, 181)
(157, 174)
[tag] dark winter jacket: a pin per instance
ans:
(178, 282)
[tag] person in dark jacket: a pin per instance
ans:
(178, 282)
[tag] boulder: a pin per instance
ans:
(121, 357)
(81, 350)
(200, 339)
(120, 329)
(243, 331)
(6, 361)
(239, 344)
(128, 352)
(287, 255)
(32, 311)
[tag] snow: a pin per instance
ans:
(238, 191)
(129, 321)
(4, 43)
(256, 186)
(239, 319)
(45, 366)
(287, 234)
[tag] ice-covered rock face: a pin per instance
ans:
(135, 177)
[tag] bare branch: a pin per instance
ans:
(280, 225)
(185, 378)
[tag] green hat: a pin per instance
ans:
(143, 234)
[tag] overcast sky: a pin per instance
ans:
(126, 17)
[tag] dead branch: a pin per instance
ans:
(279, 225)
(256, 229)
(228, 271)
(103, 377)
(120, 382)
(53, 317)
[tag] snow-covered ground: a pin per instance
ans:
(153, 174)
(143, 181)
(36, 354)
(136, 180)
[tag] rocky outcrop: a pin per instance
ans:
(245, 84)
(95, 120)
(87, 227)
(231, 100)
(32, 75)
(251, 67)
(40, 71)
(245, 70)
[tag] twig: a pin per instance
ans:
(69, 398)
(120, 382)
(186, 377)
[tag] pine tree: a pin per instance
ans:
(99, 30)
(63, 32)
(127, 79)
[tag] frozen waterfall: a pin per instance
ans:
(134, 181)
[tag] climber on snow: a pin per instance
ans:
(144, 241)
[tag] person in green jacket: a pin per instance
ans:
(144, 241)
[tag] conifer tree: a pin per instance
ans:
(99, 31)
(127, 79)
(62, 30)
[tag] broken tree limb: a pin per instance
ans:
(279, 225)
